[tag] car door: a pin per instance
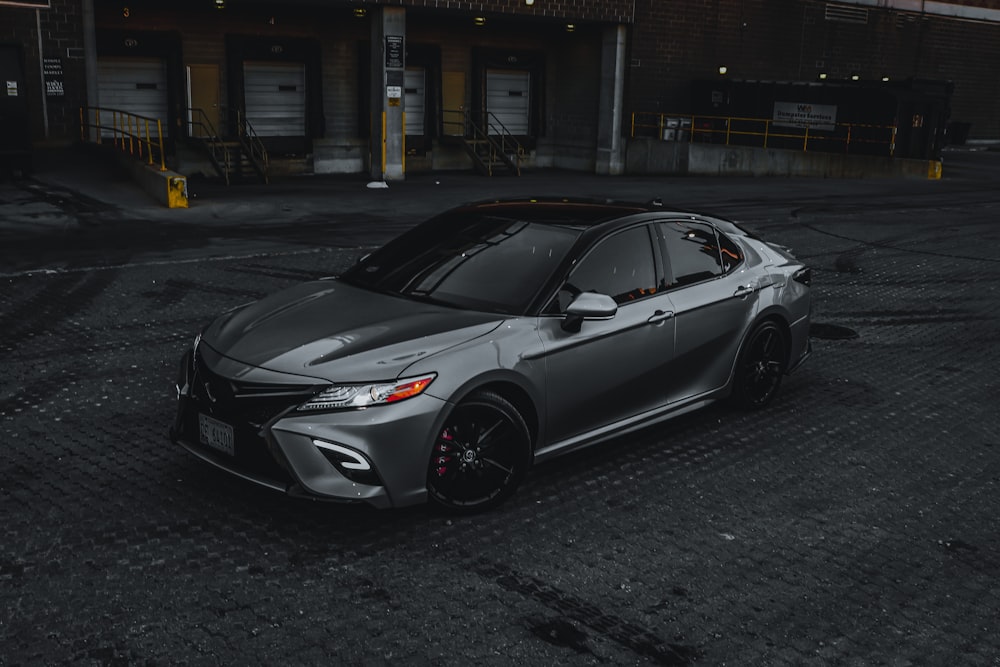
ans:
(715, 298)
(610, 369)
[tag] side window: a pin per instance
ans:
(731, 253)
(695, 252)
(620, 266)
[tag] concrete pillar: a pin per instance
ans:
(610, 147)
(90, 59)
(388, 57)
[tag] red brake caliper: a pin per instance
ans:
(443, 449)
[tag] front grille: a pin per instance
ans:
(254, 403)
(245, 406)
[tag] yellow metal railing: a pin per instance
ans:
(136, 135)
(763, 132)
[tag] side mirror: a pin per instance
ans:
(588, 306)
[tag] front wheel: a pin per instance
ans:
(480, 455)
(760, 367)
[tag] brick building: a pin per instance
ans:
(389, 85)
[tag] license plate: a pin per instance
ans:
(216, 434)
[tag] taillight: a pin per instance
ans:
(804, 276)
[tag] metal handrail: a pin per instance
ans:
(496, 135)
(252, 144)
(129, 132)
(493, 123)
(762, 130)
(197, 118)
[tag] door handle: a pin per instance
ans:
(743, 290)
(660, 316)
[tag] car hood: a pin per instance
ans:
(330, 330)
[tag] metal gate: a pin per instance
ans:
(508, 98)
(275, 98)
(414, 101)
(135, 85)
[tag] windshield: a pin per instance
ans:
(468, 259)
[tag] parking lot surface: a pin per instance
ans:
(855, 521)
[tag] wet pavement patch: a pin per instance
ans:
(826, 331)
(559, 632)
(957, 545)
(847, 263)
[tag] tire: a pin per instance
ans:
(760, 367)
(480, 456)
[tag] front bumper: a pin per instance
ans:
(280, 452)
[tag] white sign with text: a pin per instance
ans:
(812, 116)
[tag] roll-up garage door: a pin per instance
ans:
(138, 86)
(275, 95)
(414, 101)
(508, 99)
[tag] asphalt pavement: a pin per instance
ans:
(855, 521)
(77, 187)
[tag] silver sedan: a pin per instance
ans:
(498, 334)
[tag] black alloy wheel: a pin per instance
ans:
(480, 456)
(761, 366)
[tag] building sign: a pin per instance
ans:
(812, 116)
(53, 70)
(395, 94)
(393, 51)
(12, 88)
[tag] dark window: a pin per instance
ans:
(468, 260)
(696, 252)
(730, 252)
(620, 266)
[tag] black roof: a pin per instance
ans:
(567, 211)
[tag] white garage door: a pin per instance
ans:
(508, 99)
(275, 95)
(414, 101)
(137, 86)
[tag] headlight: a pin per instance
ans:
(365, 395)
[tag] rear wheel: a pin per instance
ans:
(480, 455)
(761, 366)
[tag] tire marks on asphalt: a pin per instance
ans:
(638, 639)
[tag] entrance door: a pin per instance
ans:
(275, 97)
(453, 103)
(508, 99)
(15, 122)
(203, 93)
